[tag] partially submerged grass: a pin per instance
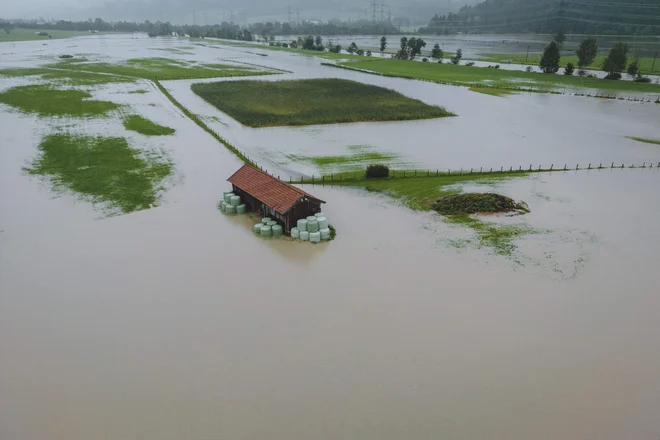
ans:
(498, 237)
(66, 77)
(533, 59)
(312, 101)
(360, 156)
(646, 141)
(104, 169)
(161, 68)
(45, 100)
(474, 203)
(146, 127)
(138, 92)
(20, 34)
(492, 91)
(497, 78)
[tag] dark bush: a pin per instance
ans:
(285, 45)
(642, 79)
(469, 63)
(614, 75)
(377, 171)
(66, 56)
(425, 60)
(569, 69)
(529, 69)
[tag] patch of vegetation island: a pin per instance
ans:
(644, 140)
(104, 169)
(146, 127)
(45, 100)
(312, 101)
(472, 203)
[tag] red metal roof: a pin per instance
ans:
(272, 191)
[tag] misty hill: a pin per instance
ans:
(596, 17)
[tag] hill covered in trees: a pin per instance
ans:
(596, 17)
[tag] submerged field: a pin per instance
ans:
(20, 34)
(312, 101)
(46, 100)
(498, 78)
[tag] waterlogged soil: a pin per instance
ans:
(153, 325)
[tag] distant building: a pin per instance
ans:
(268, 195)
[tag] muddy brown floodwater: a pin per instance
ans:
(177, 323)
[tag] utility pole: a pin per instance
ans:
(654, 58)
(297, 16)
(527, 56)
(194, 18)
(288, 12)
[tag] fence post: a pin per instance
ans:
(437, 172)
(530, 167)
(448, 171)
(491, 170)
(552, 166)
(301, 179)
(481, 169)
(501, 169)
(564, 167)
(600, 166)
(289, 179)
(612, 165)
(589, 167)
(621, 166)
(539, 167)
(461, 173)
(520, 168)
(470, 170)
(644, 165)
(511, 168)
(577, 167)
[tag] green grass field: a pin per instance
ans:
(104, 169)
(312, 101)
(646, 141)
(146, 127)
(326, 55)
(491, 91)
(358, 158)
(66, 77)
(161, 68)
(45, 100)
(646, 63)
(497, 78)
(20, 34)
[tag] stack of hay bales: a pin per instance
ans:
(314, 228)
(268, 228)
(231, 204)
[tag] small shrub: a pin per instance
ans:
(569, 69)
(271, 44)
(439, 61)
(470, 63)
(529, 69)
(642, 79)
(613, 76)
(360, 52)
(377, 171)
(368, 53)
(285, 45)
(66, 56)
(582, 72)
(425, 60)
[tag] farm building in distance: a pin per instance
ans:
(261, 192)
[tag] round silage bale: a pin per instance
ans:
(230, 209)
(257, 228)
(223, 206)
(304, 235)
(311, 217)
(295, 233)
(265, 231)
(325, 233)
(265, 220)
(277, 230)
(235, 200)
(302, 225)
(319, 214)
(315, 237)
(323, 222)
(271, 223)
(228, 197)
(240, 209)
(312, 225)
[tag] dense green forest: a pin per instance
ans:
(595, 17)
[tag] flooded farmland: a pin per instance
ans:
(176, 322)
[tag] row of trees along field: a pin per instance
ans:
(592, 17)
(614, 64)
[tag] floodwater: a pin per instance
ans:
(176, 322)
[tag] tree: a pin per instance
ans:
(402, 54)
(368, 53)
(360, 52)
(560, 37)
(569, 69)
(437, 53)
(352, 48)
(457, 58)
(414, 47)
(308, 43)
(586, 52)
(633, 69)
(318, 40)
(383, 44)
(550, 59)
(616, 61)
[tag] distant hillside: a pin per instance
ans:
(596, 17)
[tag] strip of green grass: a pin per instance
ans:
(500, 238)
(646, 141)
(47, 101)
(20, 34)
(161, 68)
(326, 55)
(357, 161)
(146, 127)
(498, 78)
(104, 169)
(312, 101)
(645, 63)
(67, 77)
(491, 91)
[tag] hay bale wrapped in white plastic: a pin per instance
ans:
(312, 225)
(302, 225)
(315, 237)
(265, 220)
(311, 217)
(257, 228)
(295, 233)
(235, 200)
(230, 209)
(304, 235)
(325, 233)
(228, 197)
(319, 214)
(223, 206)
(323, 222)
(240, 209)
(277, 230)
(271, 223)
(266, 231)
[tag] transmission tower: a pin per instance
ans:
(288, 12)
(374, 5)
(382, 11)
